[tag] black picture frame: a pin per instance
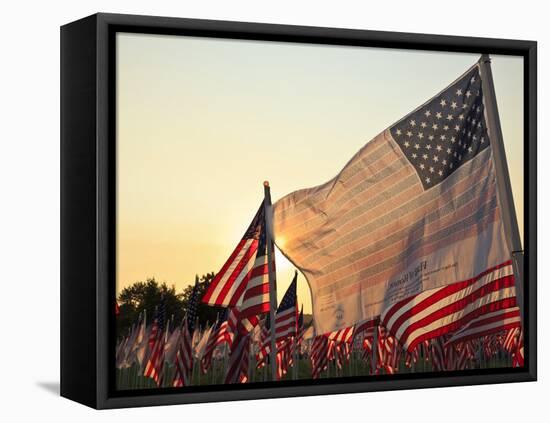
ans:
(88, 224)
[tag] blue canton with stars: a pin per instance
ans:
(193, 307)
(289, 299)
(445, 133)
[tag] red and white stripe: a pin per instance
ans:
(223, 335)
(285, 324)
(229, 284)
(342, 335)
(364, 328)
(440, 311)
(243, 279)
(155, 362)
(511, 339)
(488, 324)
(518, 357)
(264, 345)
(285, 331)
(388, 352)
(184, 358)
(319, 355)
(218, 335)
(237, 371)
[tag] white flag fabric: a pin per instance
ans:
(415, 209)
(201, 344)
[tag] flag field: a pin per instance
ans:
(408, 252)
(133, 378)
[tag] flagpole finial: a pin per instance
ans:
(266, 183)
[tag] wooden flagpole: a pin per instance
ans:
(272, 283)
(506, 200)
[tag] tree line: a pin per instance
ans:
(147, 295)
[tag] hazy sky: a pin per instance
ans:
(201, 123)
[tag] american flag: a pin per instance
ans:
(414, 199)
(342, 335)
(284, 358)
(444, 310)
(339, 345)
(284, 349)
(265, 342)
(285, 322)
(286, 315)
(154, 367)
(172, 344)
(242, 325)
(488, 324)
(411, 358)
(365, 327)
(184, 354)
(243, 280)
(456, 356)
(388, 351)
(237, 371)
(319, 355)
(368, 345)
(437, 354)
(286, 331)
(132, 342)
(511, 339)
(120, 349)
(218, 335)
(518, 356)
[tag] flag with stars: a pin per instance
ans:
(445, 133)
(286, 315)
(243, 280)
(415, 209)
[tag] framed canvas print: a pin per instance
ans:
(255, 211)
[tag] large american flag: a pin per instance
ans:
(415, 209)
(243, 279)
(184, 354)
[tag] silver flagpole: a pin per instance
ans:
(506, 200)
(272, 284)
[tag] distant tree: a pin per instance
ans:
(140, 296)
(146, 295)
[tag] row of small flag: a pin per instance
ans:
(154, 346)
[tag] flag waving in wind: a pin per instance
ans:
(243, 279)
(415, 209)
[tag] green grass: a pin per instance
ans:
(131, 378)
